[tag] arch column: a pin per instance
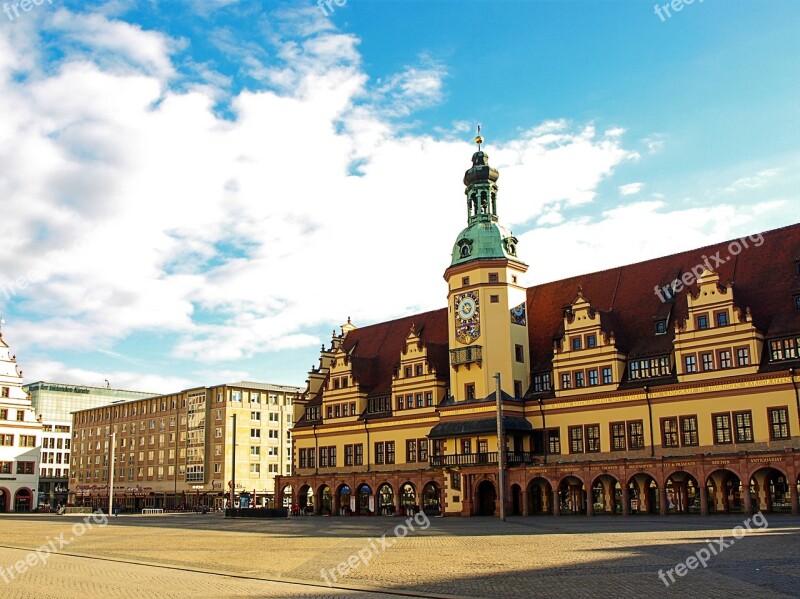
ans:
(703, 500)
(589, 504)
(556, 503)
(396, 499)
(663, 508)
(334, 503)
(626, 500)
(747, 501)
(794, 499)
(525, 510)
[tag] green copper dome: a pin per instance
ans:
(483, 238)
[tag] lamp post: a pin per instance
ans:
(501, 451)
(111, 474)
(233, 463)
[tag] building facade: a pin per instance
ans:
(666, 386)
(20, 439)
(53, 404)
(185, 450)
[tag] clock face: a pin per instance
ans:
(467, 317)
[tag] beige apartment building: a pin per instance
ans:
(180, 451)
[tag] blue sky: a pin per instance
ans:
(195, 192)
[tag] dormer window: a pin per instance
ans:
(661, 327)
(702, 321)
(576, 343)
(797, 302)
(591, 341)
(722, 319)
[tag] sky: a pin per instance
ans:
(199, 192)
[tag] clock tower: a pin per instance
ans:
(488, 330)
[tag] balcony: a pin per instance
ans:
(480, 459)
(466, 355)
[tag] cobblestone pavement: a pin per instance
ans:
(209, 556)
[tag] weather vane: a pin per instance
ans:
(479, 138)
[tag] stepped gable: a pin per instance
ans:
(764, 279)
(376, 349)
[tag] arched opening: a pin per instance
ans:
(769, 488)
(345, 500)
(324, 500)
(23, 500)
(571, 496)
(287, 495)
(385, 500)
(408, 499)
(643, 494)
(487, 498)
(683, 493)
(606, 495)
(365, 504)
(305, 500)
(540, 494)
(431, 503)
(724, 492)
(516, 500)
(3, 500)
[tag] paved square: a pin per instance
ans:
(209, 556)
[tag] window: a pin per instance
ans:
(312, 459)
(379, 455)
(541, 382)
(669, 432)
(784, 349)
(348, 455)
(272, 434)
(255, 433)
(419, 400)
(743, 356)
(493, 278)
(744, 426)
(390, 452)
(494, 299)
(592, 438)
(455, 481)
(400, 402)
(329, 411)
(635, 434)
(255, 416)
(359, 451)
(708, 361)
(466, 446)
(6, 392)
(344, 410)
(27, 440)
(575, 439)
(407, 372)
(469, 391)
(255, 451)
(566, 381)
(418, 370)
(422, 449)
(517, 388)
(661, 327)
(593, 377)
(617, 436)
(411, 450)
(429, 398)
(691, 364)
(722, 428)
(725, 359)
(554, 440)
(576, 343)
(519, 353)
(5, 467)
(464, 281)
(25, 467)
(332, 456)
(591, 341)
(702, 321)
(255, 470)
(778, 423)
(4, 412)
(722, 319)
(607, 377)
(20, 416)
(337, 409)
(797, 300)
(579, 382)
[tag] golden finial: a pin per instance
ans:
(479, 138)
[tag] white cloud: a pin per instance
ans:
(630, 189)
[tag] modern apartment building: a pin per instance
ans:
(54, 404)
(185, 450)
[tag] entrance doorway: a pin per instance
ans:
(487, 498)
